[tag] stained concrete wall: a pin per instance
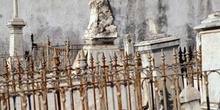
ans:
(69, 18)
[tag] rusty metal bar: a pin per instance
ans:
(150, 72)
(105, 79)
(207, 90)
(7, 82)
(93, 80)
(164, 79)
(118, 85)
(32, 80)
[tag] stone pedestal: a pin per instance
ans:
(16, 37)
(209, 40)
(154, 46)
(98, 50)
(15, 25)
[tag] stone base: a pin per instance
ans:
(100, 41)
(96, 51)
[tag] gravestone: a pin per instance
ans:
(189, 98)
(101, 32)
(208, 39)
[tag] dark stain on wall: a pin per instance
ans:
(162, 17)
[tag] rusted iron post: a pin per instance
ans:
(44, 85)
(197, 68)
(93, 80)
(48, 51)
(173, 90)
(4, 101)
(156, 88)
(126, 80)
(150, 72)
(56, 64)
(163, 67)
(69, 78)
(7, 82)
(83, 81)
(118, 84)
(206, 82)
(137, 81)
(111, 81)
(63, 96)
(32, 81)
(176, 78)
(200, 64)
(105, 73)
(189, 69)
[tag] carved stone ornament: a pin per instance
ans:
(101, 21)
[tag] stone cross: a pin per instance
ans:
(15, 2)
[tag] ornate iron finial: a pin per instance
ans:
(83, 61)
(174, 56)
(56, 61)
(48, 40)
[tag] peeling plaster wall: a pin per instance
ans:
(60, 19)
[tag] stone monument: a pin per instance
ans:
(16, 36)
(208, 39)
(100, 29)
(101, 32)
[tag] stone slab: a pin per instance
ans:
(158, 44)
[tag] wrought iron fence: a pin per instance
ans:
(100, 85)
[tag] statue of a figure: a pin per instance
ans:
(101, 19)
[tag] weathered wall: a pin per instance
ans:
(60, 19)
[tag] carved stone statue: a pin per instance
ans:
(101, 21)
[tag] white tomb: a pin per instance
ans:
(209, 40)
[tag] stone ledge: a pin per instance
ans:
(158, 44)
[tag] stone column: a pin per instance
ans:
(209, 40)
(16, 36)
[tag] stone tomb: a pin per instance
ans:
(209, 40)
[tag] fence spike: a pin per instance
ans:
(174, 56)
(55, 59)
(187, 55)
(91, 60)
(5, 66)
(48, 40)
(162, 56)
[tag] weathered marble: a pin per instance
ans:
(155, 46)
(208, 40)
(16, 36)
(101, 22)
(189, 98)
